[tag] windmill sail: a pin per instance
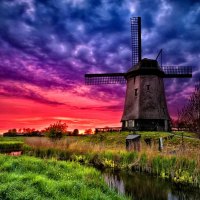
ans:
(109, 78)
(136, 39)
(118, 78)
(174, 71)
(177, 71)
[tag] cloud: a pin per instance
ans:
(52, 44)
(22, 92)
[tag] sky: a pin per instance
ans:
(46, 47)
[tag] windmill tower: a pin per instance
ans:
(145, 106)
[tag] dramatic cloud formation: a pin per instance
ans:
(46, 47)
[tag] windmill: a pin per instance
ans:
(145, 106)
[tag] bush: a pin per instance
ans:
(75, 132)
(56, 131)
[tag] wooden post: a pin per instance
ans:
(160, 144)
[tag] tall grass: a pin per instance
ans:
(106, 150)
(178, 169)
(33, 178)
(8, 144)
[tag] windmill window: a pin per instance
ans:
(131, 123)
(136, 92)
(164, 110)
(148, 87)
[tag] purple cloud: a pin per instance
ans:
(52, 44)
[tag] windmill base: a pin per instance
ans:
(147, 125)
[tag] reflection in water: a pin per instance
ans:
(114, 182)
(141, 186)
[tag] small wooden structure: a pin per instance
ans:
(133, 142)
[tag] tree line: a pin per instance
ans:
(55, 130)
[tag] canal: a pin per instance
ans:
(140, 186)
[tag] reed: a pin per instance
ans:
(179, 162)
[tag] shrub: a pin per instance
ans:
(75, 132)
(56, 131)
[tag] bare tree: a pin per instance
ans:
(189, 115)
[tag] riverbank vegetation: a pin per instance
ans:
(32, 178)
(179, 161)
(10, 144)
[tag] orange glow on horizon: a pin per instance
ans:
(78, 112)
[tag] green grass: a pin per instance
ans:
(107, 150)
(113, 140)
(178, 169)
(190, 143)
(8, 144)
(33, 178)
(3, 139)
(118, 138)
(187, 134)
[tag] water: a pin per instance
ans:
(144, 187)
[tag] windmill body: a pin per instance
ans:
(145, 106)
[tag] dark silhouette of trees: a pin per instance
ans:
(56, 130)
(22, 132)
(11, 132)
(75, 132)
(88, 131)
(189, 115)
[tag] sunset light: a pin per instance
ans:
(45, 54)
(99, 99)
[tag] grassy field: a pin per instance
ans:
(187, 134)
(32, 178)
(3, 139)
(10, 144)
(115, 142)
(179, 161)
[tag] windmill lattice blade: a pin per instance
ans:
(99, 79)
(136, 39)
(177, 71)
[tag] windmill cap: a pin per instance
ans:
(146, 66)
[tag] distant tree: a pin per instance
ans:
(88, 131)
(56, 130)
(75, 132)
(69, 133)
(24, 132)
(11, 132)
(189, 115)
(33, 132)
